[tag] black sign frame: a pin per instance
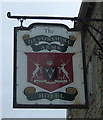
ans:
(61, 106)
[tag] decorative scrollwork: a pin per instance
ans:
(98, 51)
(101, 41)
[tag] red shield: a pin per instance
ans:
(50, 71)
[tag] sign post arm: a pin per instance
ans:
(52, 18)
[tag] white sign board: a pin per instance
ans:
(49, 69)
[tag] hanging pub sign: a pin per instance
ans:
(49, 69)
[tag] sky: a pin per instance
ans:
(23, 7)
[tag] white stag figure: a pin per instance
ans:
(62, 69)
(37, 69)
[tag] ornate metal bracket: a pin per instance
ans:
(99, 50)
(82, 20)
(48, 17)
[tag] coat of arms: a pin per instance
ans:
(50, 71)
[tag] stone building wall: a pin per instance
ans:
(94, 65)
